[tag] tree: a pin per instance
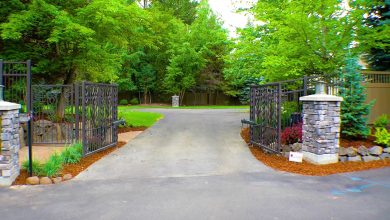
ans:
(208, 37)
(185, 10)
(305, 37)
(378, 26)
(184, 66)
(354, 110)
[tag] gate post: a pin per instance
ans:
(321, 128)
(9, 143)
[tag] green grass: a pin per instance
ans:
(187, 107)
(137, 118)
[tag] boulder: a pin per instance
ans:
(384, 156)
(351, 152)
(362, 150)
(355, 158)
(376, 150)
(343, 158)
(45, 181)
(34, 180)
(67, 177)
(370, 158)
(56, 180)
(286, 148)
(297, 147)
(386, 150)
(342, 151)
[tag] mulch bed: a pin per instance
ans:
(74, 169)
(279, 162)
(128, 129)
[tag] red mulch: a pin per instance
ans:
(278, 162)
(128, 129)
(369, 142)
(74, 169)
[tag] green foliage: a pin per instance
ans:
(53, 166)
(354, 110)
(123, 102)
(289, 39)
(382, 121)
(382, 136)
(72, 154)
(289, 108)
(37, 167)
(134, 101)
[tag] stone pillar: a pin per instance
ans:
(321, 128)
(175, 101)
(10, 143)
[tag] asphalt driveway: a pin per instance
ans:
(193, 165)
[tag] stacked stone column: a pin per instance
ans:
(321, 128)
(10, 144)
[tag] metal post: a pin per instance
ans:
(305, 85)
(279, 116)
(1, 81)
(77, 112)
(83, 126)
(29, 115)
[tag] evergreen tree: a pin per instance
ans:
(354, 110)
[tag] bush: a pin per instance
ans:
(134, 101)
(382, 136)
(72, 154)
(123, 102)
(53, 166)
(293, 134)
(382, 121)
(37, 167)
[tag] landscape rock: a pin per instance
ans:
(351, 152)
(45, 181)
(286, 148)
(376, 150)
(34, 180)
(342, 151)
(386, 150)
(370, 158)
(297, 147)
(67, 177)
(362, 150)
(384, 156)
(343, 158)
(355, 158)
(57, 180)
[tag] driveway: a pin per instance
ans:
(193, 165)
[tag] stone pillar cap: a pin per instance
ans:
(321, 98)
(5, 106)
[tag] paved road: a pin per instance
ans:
(193, 165)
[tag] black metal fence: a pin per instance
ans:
(63, 114)
(275, 106)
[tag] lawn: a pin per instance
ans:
(137, 118)
(186, 107)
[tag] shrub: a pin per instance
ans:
(53, 166)
(72, 154)
(382, 136)
(293, 134)
(382, 121)
(134, 101)
(123, 102)
(37, 167)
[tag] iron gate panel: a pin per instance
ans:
(99, 114)
(274, 107)
(54, 118)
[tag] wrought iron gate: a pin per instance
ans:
(275, 106)
(99, 108)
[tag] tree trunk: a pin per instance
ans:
(69, 78)
(145, 96)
